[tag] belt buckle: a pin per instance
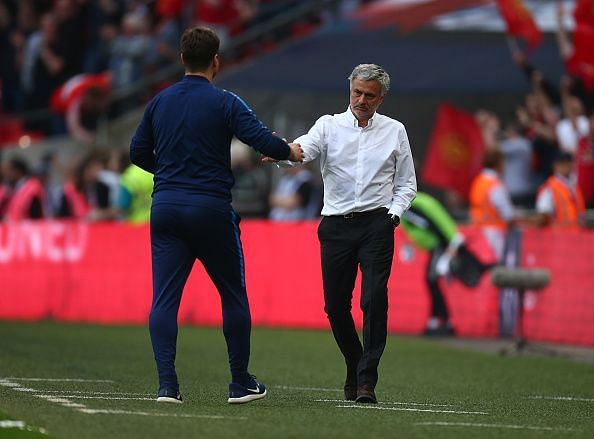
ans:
(349, 215)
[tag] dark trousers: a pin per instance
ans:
(439, 307)
(181, 234)
(365, 241)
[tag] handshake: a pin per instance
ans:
(296, 154)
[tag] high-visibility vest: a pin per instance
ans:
(139, 185)
(569, 203)
(20, 202)
(482, 211)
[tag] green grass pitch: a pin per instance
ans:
(426, 389)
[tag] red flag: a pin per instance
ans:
(584, 13)
(520, 22)
(455, 151)
(581, 62)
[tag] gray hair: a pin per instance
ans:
(371, 72)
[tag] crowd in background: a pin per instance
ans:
(46, 43)
(554, 121)
(124, 39)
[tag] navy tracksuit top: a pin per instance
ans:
(184, 140)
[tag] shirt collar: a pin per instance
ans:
(490, 172)
(195, 78)
(566, 181)
(353, 120)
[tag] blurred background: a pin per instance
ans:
(468, 77)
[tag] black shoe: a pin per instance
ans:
(239, 394)
(350, 390)
(445, 330)
(168, 394)
(366, 395)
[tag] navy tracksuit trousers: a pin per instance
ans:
(180, 234)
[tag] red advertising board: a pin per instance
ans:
(101, 273)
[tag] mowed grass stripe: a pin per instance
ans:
(298, 367)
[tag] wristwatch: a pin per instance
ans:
(395, 220)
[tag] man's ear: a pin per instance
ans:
(181, 57)
(216, 65)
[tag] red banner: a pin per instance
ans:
(455, 151)
(100, 273)
(584, 13)
(520, 22)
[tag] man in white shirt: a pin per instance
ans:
(369, 182)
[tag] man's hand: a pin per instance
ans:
(296, 153)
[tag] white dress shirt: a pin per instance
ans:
(362, 168)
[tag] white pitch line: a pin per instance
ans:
(390, 402)
(87, 392)
(12, 424)
(62, 401)
(20, 425)
(50, 380)
(308, 389)
(509, 426)
(562, 398)
(175, 415)
(127, 398)
(404, 409)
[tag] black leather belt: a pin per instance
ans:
(382, 210)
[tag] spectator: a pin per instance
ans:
(96, 183)
(574, 126)
(430, 227)
(10, 90)
(128, 51)
(540, 85)
(71, 33)
(226, 17)
(585, 164)
(538, 121)
(252, 182)
(135, 195)
(581, 82)
(165, 40)
(489, 124)
(48, 68)
(559, 202)
(490, 203)
(72, 203)
(26, 193)
(83, 99)
(296, 197)
(517, 168)
(104, 18)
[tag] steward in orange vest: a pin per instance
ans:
(490, 202)
(560, 202)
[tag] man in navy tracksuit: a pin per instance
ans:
(184, 140)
